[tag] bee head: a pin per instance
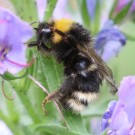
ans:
(45, 34)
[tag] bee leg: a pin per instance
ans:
(49, 98)
(34, 43)
(43, 104)
(45, 48)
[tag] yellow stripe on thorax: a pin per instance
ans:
(63, 25)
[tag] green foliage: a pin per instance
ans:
(24, 115)
(8, 76)
(49, 9)
(113, 9)
(26, 9)
(84, 12)
(123, 13)
(58, 130)
(126, 29)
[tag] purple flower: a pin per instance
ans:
(59, 12)
(4, 130)
(41, 6)
(99, 9)
(13, 34)
(123, 3)
(109, 41)
(122, 119)
(107, 115)
(91, 6)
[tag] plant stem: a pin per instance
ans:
(27, 103)
(50, 8)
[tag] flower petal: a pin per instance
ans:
(107, 115)
(118, 118)
(127, 86)
(14, 26)
(41, 5)
(4, 130)
(111, 49)
(109, 41)
(123, 3)
(3, 30)
(91, 5)
(17, 53)
(15, 32)
(60, 10)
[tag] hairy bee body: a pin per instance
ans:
(83, 76)
(82, 79)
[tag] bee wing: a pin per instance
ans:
(103, 69)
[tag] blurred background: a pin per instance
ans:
(112, 25)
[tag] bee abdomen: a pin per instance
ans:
(78, 101)
(84, 96)
(74, 105)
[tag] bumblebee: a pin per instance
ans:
(84, 70)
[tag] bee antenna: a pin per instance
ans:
(34, 22)
(35, 29)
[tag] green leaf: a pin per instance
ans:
(50, 8)
(113, 9)
(95, 24)
(50, 73)
(74, 122)
(123, 13)
(55, 129)
(104, 133)
(128, 29)
(85, 14)
(32, 70)
(130, 37)
(31, 110)
(26, 9)
(8, 76)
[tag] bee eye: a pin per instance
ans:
(46, 32)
